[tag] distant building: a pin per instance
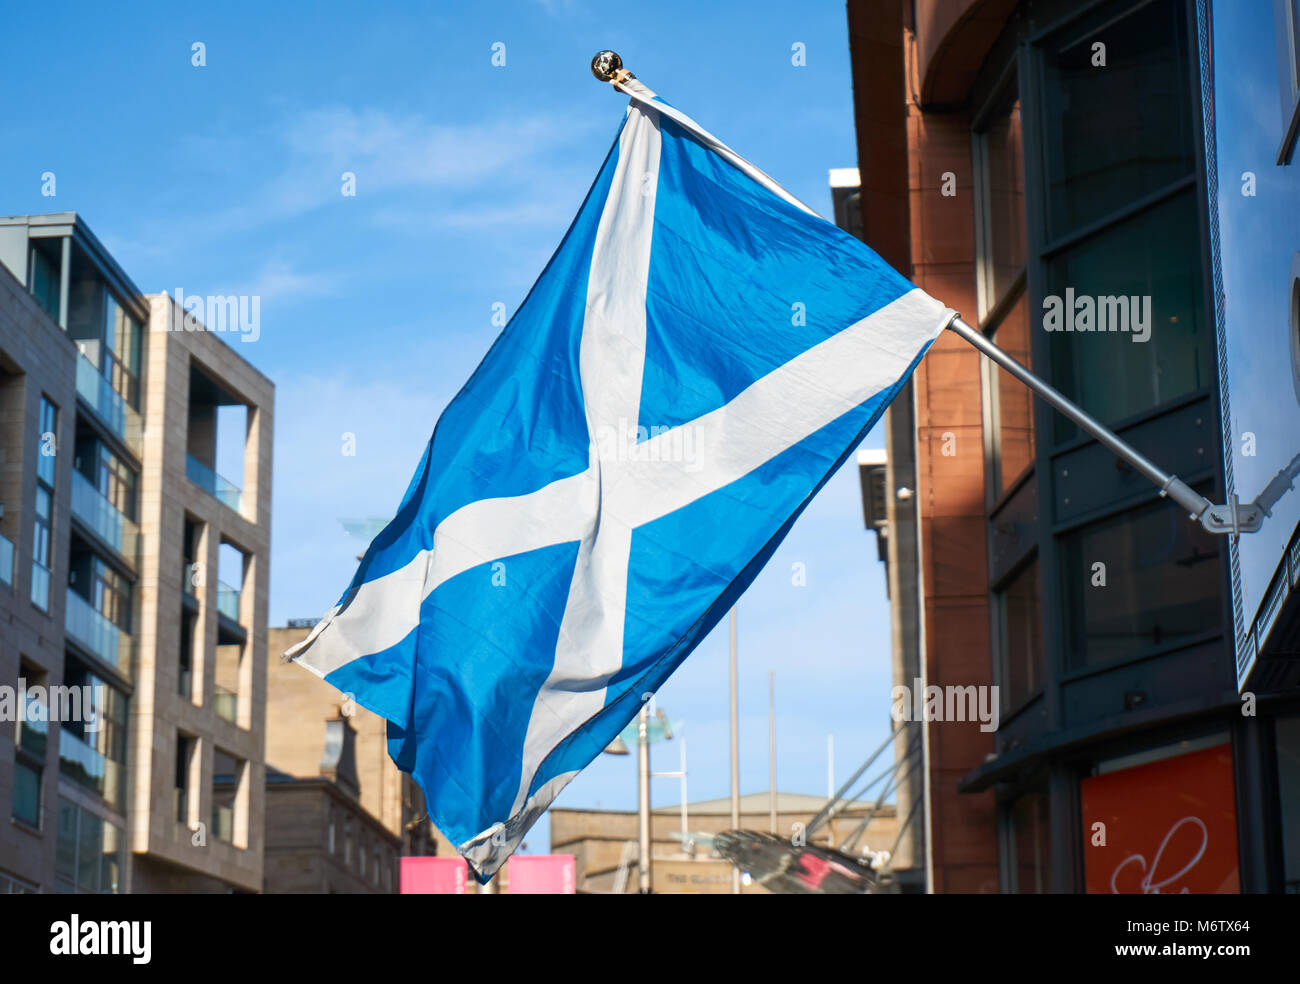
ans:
(604, 842)
(340, 813)
(128, 566)
(319, 839)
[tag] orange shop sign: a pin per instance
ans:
(1166, 827)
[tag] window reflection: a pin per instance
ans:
(1115, 133)
(1161, 585)
(1004, 195)
(1020, 622)
(1013, 404)
(1155, 255)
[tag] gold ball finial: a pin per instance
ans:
(605, 65)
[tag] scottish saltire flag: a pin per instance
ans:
(697, 358)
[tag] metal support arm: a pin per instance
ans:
(1233, 518)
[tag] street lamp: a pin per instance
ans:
(644, 731)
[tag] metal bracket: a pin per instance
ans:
(1233, 518)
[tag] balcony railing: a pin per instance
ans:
(93, 509)
(120, 416)
(208, 480)
(6, 561)
(228, 601)
(88, 766)
(98, 635)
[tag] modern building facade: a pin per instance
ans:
(1040, 166)
(133, 572)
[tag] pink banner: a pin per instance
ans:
(540, 874)
(434, 876)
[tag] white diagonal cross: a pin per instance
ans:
(602, 506)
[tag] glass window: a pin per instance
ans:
(116, 481)
(225, 681)
(1143, 275)
(65, 845)
(1020, 626)
(110, 594)
(27, 793)
(34, 729)
(1012, 402)
(181, 788)
(110, 860)
(46, 451)
(122, 338)
(45, 283)
(1117, 131)
(92, 745)
(41, 548)
(184, 676)
(1161, 584)
(10, 885)
(47, 442)
(1029, 845)
(226, 774)
(87, 852)
(90, 836)
(1003, 179)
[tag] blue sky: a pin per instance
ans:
(226, 179)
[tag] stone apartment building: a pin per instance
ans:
(129, 566)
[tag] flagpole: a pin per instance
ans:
(771, 748)
(643, 798)
(735, 750)
(1232, 519)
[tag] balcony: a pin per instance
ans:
(102, 517)
(228, 601)
(98, 635)
(205, 478)
(6, 561)
(87, 766)
(109, 405)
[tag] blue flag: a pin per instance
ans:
(698, 357)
